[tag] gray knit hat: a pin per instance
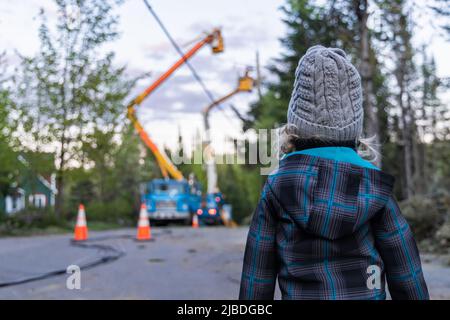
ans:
(327, 98)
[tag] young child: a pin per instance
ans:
(327, 224)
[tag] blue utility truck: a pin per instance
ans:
(171, 200)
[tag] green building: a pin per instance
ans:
(31, 189)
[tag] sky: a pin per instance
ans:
(248, 26)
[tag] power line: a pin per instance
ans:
(181, 53)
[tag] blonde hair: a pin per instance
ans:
(288, 136)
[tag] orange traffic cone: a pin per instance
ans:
(81, 230)
(194, 221)
(143, 229)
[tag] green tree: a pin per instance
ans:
(396, 17)
(8, 158)
(110, 183)
(434, 125)
(70, 91)
(442, 9)
(134, 165)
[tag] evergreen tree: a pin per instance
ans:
(342, 24)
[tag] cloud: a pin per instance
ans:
(173, 97)
(239, 36)
(157, 51)
(181, 93)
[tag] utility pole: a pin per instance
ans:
(258, 77)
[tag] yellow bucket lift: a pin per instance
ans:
(245, 84)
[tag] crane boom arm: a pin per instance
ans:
(245, 84)
(166, 166)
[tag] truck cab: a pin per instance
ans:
(170, 200)
(210, 212)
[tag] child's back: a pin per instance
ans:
(327, 224)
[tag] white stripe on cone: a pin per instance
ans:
(81, 218)
(143, 217)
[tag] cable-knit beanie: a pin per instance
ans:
(326, 101)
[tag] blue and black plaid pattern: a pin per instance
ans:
(318, 227)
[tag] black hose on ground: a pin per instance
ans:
(114, 255)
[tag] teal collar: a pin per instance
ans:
(340, 154)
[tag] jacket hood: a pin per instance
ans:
(330, 192)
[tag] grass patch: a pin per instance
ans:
(37, 222)
(54, 229)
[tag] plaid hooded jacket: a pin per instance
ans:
(325, 218)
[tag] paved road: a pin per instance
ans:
(182, 263)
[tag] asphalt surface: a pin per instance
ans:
(181, 263)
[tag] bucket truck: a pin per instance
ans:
(212, 208)
(172, 198)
